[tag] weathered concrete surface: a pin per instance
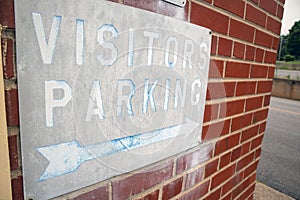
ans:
(286, 88)
(263, 192)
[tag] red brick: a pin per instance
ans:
(263, 39)
(267, 100)
(222, 176)
(172, 189)
(256, 16)
(17, 188)
(13, 152)
(224, 47)
(215, 130)
(232, 183)
(250, 169)
(237, 70)
(262, 127)
(160, 7)
(264, 86)
(271, 72)
(225, 160)
(214, 43)
(279, 11)
(208, 18)
(227, 143)
(245, 148)
(255, 1)
(259, 55)
(259, 71)
(236, 153)
(152, 196)
(211, 112)
(260, 115)
(7, 17)
(249, 133)
(233, 6)
(194, 177)
(12, 107)
(229, 88)
(273, 25)
(258, 153)
(241, 30)
(122, 189)
(216, 90)
(196, 193)
(8, 58)
(254, 103)
(216, 69)
(208, 1)
(99, 193)
(275, 45)
(270, 57)
(245, 161)
(243, 186)
(250, 52)
(214, 195)
(248, 192)
(211, 168)
(256, 142)
(251, 197)
(241, 122)
(194, 158)
(245, 88)
(227, 197)
(269, 5)
(239, 50)
(231, 108)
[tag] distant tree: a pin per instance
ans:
(293, 40)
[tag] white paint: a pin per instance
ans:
(195, 99)
(151, 36)
(108, 45)
(51, 102)
(122, 83)
(130, 48)
(95, 106)
(203, 56)
(79, 41)
(180, 93)
(174, 42)
(167, 94)
(188, 52)
(148, 96)
(46, 48)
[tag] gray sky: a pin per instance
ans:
(290, 15)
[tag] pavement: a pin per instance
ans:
(279, 164)
(264, 192)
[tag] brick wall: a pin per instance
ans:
(243, 55)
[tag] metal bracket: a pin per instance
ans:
(180, 3)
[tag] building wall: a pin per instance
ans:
(243, 56)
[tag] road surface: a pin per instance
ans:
(279, 166)
(291, 74)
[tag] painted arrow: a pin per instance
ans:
(67, 157)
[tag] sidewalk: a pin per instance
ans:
(264, 192)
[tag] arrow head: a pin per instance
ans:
(63, 158)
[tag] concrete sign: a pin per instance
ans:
(104, 89)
